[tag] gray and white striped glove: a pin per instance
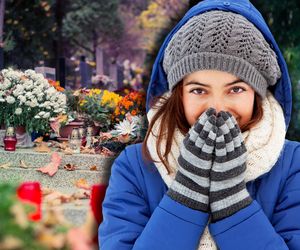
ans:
(228, 193)
(191, 184)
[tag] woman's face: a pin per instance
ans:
(220, 90)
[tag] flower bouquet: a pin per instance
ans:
(98, 105)
(28, 99)
(129, 125)
(133, 103)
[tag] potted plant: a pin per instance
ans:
(28, 100)
(98, 106)
(92, 107)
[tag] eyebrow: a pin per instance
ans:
(206, 85)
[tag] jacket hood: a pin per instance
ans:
(282, 90)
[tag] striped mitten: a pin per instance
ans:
(228, 193)
(191, 184)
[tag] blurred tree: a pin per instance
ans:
(283, 19)
(92, 23)
(29, 32)
(157, 21)
(159, 17)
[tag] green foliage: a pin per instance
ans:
(91, 23)
(29, 31)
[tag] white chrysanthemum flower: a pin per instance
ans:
(37, 117)
(40, 93)
(51, 91)
(28, 95)
(2, 100)
(28, 84)
(55, 105)
(10, 99)
(18, 111)
(29, 72)
(41, 113)
(46, 115)
(126, 128)
(6, 84)
(13, 75)
(33, 104)
(22, 98)
(18, 91)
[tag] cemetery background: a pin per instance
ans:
(95, 45)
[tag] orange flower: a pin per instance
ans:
(56, 85)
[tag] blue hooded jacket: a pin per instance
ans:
(138, 215)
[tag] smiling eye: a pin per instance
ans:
(236, 90)
(197, 91)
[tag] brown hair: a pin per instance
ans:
(171, 112)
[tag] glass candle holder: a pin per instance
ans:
(10, 139)
(75, 141)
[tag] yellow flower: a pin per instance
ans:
(110, 98)
(94, 92)
(82, 102)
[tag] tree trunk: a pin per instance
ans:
(95, 45)
(2, 12)
(99, 61)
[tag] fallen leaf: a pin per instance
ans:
(50, 240)
(11, 242)
(52, 167)
(78, 239)
(82, 183)
(93, 168)
(23, 164)
(5, 165)
(56, 198)
(47, 191)
(70, 167)
(38, 140)
(82, 194)
(87, 150)
(105, 135)
(20, 215)
(43, 148)
(53, 217)
(67, 151)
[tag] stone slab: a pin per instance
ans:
(62, 179)
(36, 160)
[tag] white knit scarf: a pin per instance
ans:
(264, 143)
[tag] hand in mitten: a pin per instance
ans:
(191, 184)
(228, 193)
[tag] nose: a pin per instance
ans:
(218, 104)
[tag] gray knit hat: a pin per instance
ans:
(223, 41)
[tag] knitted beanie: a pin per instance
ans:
(223, 41)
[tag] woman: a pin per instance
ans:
(215, 170)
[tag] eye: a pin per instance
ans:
(197, 91)
(237, 89)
